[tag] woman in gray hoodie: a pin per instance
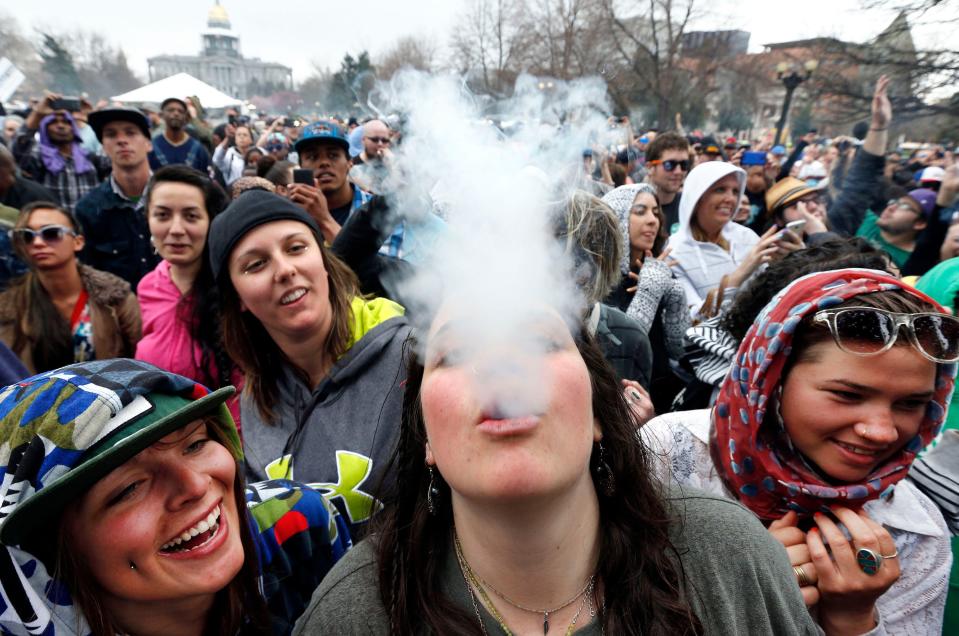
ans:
(323, 366)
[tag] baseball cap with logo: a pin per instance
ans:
(325, 131)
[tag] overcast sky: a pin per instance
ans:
(300, 32)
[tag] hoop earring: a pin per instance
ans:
(604, 475)
(432, 492)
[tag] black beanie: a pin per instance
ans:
(250, 209)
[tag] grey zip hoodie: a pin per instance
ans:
(339, 436)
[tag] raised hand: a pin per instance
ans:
(881, 106)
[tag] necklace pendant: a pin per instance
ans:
(545, 622)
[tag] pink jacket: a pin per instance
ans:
(166, 341)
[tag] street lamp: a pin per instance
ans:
(791, 78)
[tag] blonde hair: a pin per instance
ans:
(591, 228)
(700, 235)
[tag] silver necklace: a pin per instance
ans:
(468, 571)
(469, 588)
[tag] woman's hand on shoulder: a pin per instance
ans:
(847, 593)
(787, 532)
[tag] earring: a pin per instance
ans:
(133, 565)
(432, 492)
(604, 476)
(153, 245)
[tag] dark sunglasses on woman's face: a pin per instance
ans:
(47, 234)
(669, 165)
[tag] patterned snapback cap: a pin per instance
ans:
(63, 430)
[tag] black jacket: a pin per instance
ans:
(358, 245)
(624, 345)
(117, 235)
(24, 191)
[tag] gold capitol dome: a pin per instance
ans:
(218, 16)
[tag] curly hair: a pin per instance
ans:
(643, 580)
(829, 255)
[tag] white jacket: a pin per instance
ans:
(701, 266)
(230, 162)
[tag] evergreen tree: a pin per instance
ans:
(347, 88)
(58, 66)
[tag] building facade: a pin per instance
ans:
(221, 63)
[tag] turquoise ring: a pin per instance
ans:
(869, 561)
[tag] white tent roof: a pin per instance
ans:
(180, 85)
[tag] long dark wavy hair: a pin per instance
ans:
(41, 328)
(662, 234)
(642, 576)
(199, 308)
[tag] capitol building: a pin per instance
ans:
(221, 64)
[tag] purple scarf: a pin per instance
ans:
(50, 154)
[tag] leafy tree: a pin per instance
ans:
(100, 68)
(801, 120)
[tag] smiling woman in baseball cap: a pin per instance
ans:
(126, 482)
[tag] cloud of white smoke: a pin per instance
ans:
(499, 265)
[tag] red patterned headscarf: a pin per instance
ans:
(748, 444)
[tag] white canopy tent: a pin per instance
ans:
(180, 85)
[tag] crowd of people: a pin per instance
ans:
(225, 412)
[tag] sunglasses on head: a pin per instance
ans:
(47, 234)
(669, 165)
(866, 331)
